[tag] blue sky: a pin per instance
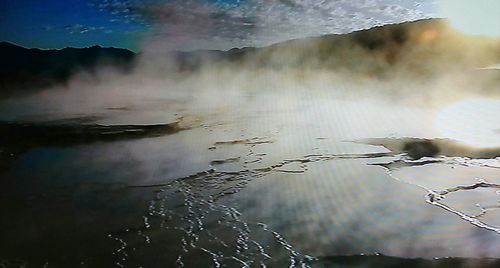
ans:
(56, 24)
(192, 24)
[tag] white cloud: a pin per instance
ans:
(201, 24)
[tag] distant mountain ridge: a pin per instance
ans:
(422, 49)
(22, 69)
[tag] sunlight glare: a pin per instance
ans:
(474, 122)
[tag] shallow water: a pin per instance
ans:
(277, 185)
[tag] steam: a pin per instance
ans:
(421, 66)
(303, 98)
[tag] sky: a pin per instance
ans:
(194, 24)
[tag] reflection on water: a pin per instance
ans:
(251, 189)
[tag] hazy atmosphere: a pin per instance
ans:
(249, 133)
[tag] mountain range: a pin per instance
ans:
(23, 69)
(419, 49)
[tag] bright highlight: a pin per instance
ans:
(477, 17)
(474, 122)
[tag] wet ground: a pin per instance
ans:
(287, 185)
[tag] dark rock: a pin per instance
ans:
(419, 149)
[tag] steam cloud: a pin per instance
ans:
(421, 63)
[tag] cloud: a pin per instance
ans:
(195, 24)
(76, 29)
